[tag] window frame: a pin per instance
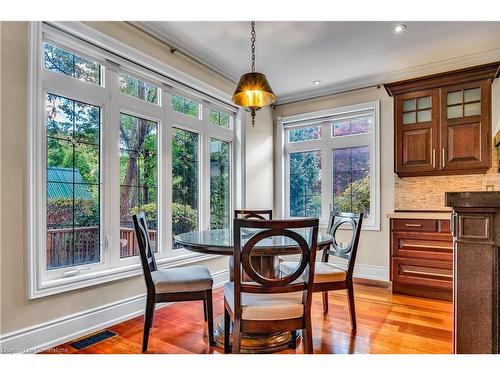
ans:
(112, 103)
(326, 144)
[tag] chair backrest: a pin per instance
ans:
(253, 214)
(303, 231)
(145, 249)
(336, 221)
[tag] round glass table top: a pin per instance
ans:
(220, 241)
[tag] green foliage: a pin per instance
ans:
(86, 213)
(184, 218)
(355, 198)
(305, 184)
(219, 184)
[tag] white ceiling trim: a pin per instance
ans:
(380, 79)
(162, 32)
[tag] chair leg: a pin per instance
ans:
(227, 331)
(293, 341)
(148, 322)
(325, 302)
(236, 336)
(307, 336)
(352, 309)
(209, 316)
(205, 308)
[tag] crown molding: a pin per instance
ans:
(378, 80)
(162, 32)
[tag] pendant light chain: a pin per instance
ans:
(252, 39)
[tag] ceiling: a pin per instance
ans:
(342, 55)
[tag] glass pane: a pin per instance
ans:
(304, 134)
(138, 179)
(356, 125)
(138, 89)
(454, 97)
(186, 106)
(409, 105)
(185, 175)
(472, 95)
(351, 179)
(455, 111)
(73, 197)
(423, 116)
(60, 113)
(219, 184)
(64, 62)
(424, 102)
(220, 119)
(472, 109)
(409, 118)
(305, 183)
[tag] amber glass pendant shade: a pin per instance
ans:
(253, 91)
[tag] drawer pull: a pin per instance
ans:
(430, 246)
(413, 225)
(424, 273)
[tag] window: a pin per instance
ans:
(185, 106)
(464, 103)
(64, 62)
(185, 176)
(73, 174)
(417, 110)
(138, 89)
(220, 183)
(138, 177)
(220, 119)
(337, 172)
(109, 141)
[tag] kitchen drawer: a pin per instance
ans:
(414, 225)
(433, 246)
(422, 272)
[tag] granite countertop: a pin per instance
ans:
(474, 199)
(441, 215)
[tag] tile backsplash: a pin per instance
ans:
(427, 193)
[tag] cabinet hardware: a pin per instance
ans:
(442, 158)
(433, 158)
(413, 225)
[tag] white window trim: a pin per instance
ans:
(283, 148)
(37, 286)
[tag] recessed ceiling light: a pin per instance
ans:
(399, 28)
(317, 82)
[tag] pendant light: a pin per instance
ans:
(253, 91)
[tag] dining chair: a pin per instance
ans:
(189, 283)
(270, 304)
(329, 276)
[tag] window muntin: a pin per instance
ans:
(464, 103)
(220, 183)
(64, 62)
(186, 106)
(417, 110)
(351, 179)
(138, 89)
(304, 134)
(220, 119)
(305, 183)
(185, 181)
(73, 182)
(138, 180)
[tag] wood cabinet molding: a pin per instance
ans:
(488, 71)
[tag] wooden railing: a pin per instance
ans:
(61, 252)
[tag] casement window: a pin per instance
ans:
(330, 162)
(109, 139)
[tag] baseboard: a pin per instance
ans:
(55, 332)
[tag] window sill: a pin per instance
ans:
(67, 284)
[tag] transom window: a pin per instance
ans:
(336, 172)
(110, 144)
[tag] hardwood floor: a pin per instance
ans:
(386, 324)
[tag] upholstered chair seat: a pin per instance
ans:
(323, 273)
(275, 306)
(185, 279)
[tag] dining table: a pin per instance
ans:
(265, 259)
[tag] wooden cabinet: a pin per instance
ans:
(476, 268)
(421, 258)
(443, 122)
